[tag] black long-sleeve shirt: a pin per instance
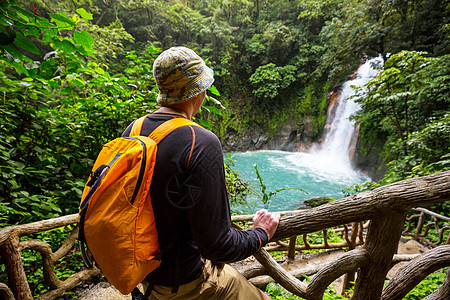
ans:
(191, 206)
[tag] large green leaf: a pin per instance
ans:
(22, 16)
(65, 46)
(25, 43)
(214, 90)
(13, 51)
(63, 21)
(23, 13)
(84, 14)
(84, 39)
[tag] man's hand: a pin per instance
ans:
(267, 221)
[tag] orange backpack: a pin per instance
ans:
(116, 214)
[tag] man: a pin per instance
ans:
(189, 195)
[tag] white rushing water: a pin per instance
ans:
(325, 170)
(337, 142)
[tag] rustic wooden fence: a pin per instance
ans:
(372, 245)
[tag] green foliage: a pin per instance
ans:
(381, 27)
(393, 92)
(274, 291)
(26, 185)
(359, 187)
(19, 27)
(109, 41)
(270, 79)
(277, 292)
(58, 113)
(429, 152)
(431, 283)
(404, 111)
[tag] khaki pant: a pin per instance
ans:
(214, 283)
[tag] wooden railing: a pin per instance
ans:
(420, 234)
(353, 235)
(371, 245)
(10, 252)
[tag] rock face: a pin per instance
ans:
(290, 136)
(369, 162)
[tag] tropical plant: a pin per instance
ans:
(263, 195)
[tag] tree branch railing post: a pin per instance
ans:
(292, 243)
(17, 279)
(419, 228)
(350, 276)
(420, 234)
(381, 244)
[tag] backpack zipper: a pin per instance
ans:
(142, 170)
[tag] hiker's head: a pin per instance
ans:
(180, 74)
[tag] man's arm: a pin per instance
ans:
(210, 218)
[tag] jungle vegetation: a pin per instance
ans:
(75, 73)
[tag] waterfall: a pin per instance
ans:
(338, 139)
(323, 171)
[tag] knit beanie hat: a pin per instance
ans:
(180, 74)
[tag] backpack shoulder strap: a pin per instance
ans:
(137, 126)
(167, 127)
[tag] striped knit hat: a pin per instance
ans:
(180, 74)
